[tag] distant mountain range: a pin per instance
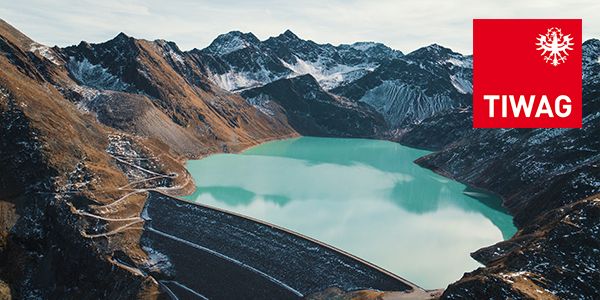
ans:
(82, 126)
(403, 88)
(366, 78)
(240, 60)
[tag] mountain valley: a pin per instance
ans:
(89, 132)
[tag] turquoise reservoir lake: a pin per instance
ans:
(366, 197)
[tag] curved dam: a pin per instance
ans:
(208, 253)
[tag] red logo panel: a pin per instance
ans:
(527, 73)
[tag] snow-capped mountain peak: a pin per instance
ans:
(240, 61)
(363, 46)
(231, 41)
(431, 52)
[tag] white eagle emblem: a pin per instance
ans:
(554, 45)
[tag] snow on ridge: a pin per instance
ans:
(95, 76)
(363, 46)
(157, 261)
(44, 51)
(232, 80)
(464, 63)
(328, 78)
(88, 95)
(233, 44)
(261, 102)
(463, 86)
(175, 56)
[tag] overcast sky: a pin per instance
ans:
(403, 25)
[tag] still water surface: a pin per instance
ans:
(366, 197)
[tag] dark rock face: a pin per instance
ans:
(19, 149)
(457, 123)
(555, 257)
(312, 111)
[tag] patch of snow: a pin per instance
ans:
(44, 51)
(145, 214)
(87, 96)
(230, 45)
(363, 46)
(591, 117)
(463, 86)
(175, 56)
(328, 77)
(95, 76)
(232, 80)
(588, 180)
(157, 261)
(463, 63)
(261, 102)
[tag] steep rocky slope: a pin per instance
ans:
(83, 134)
(457, 123)
(46, 177)
(554, 258)
(312, 111)
(169, 97)
(405, 89)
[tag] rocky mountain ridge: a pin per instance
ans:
(404, 89)
(83, 137)
(240, 60)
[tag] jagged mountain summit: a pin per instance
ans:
(404, 89)
(526, 166)
(240, 60)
